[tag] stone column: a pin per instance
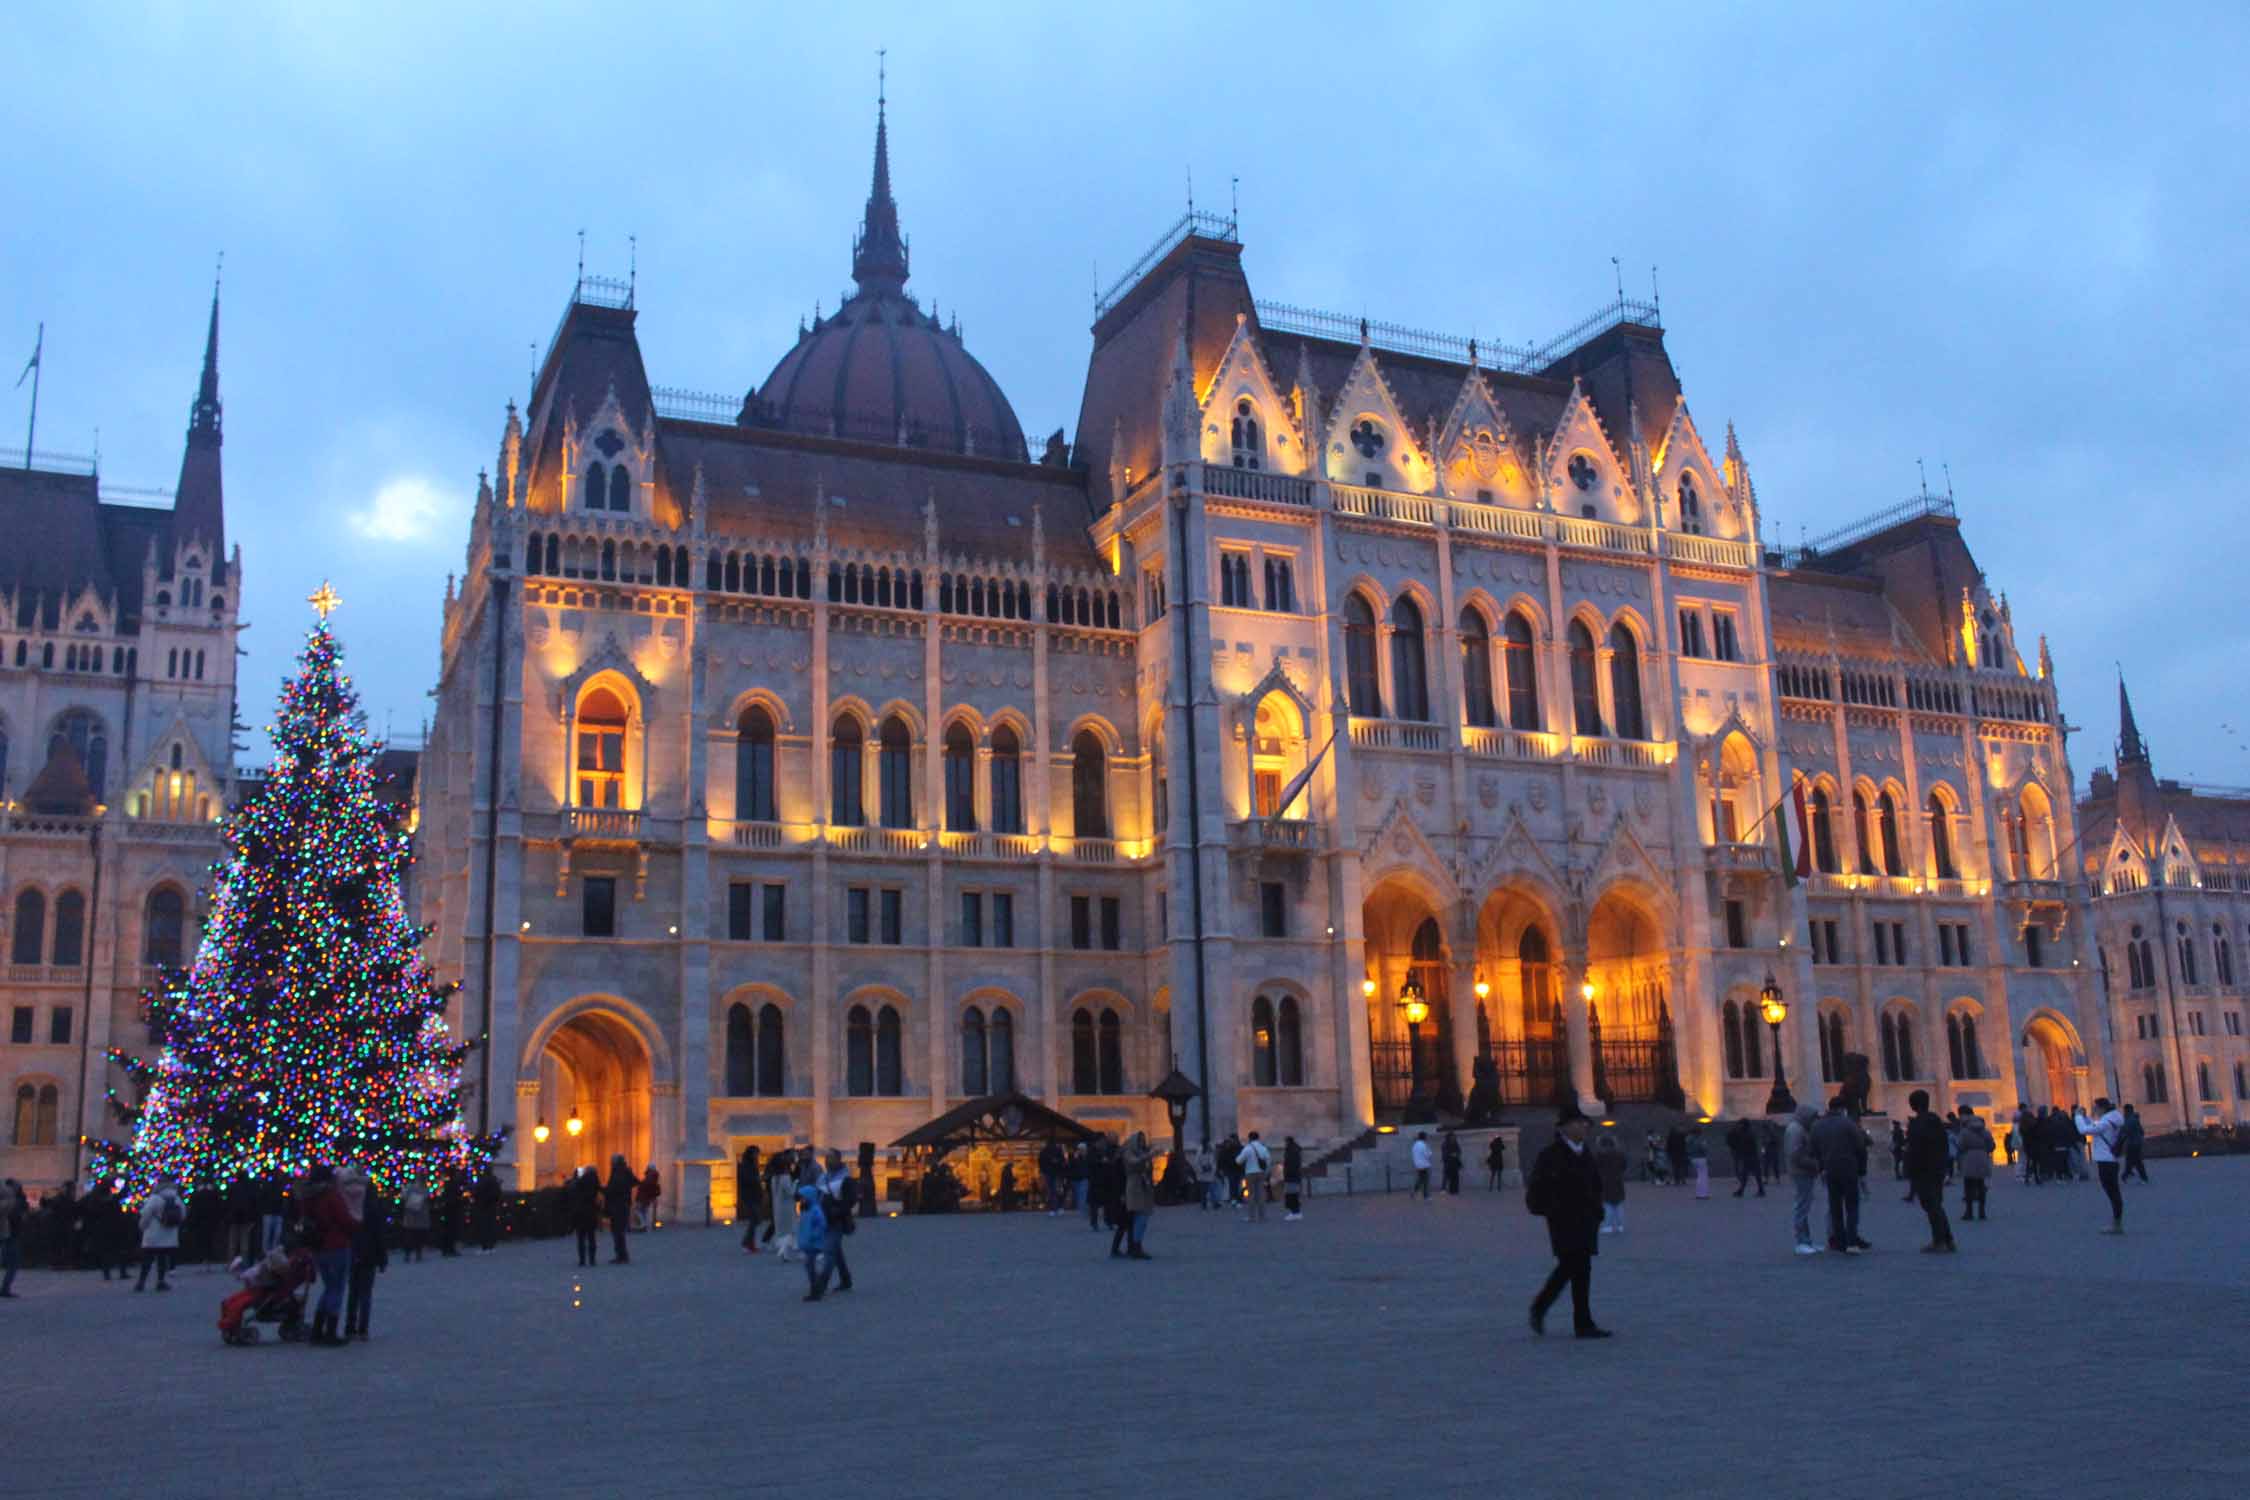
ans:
(1575, 1018)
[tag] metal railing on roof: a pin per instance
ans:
(55, 463)
(1913, 508)
(1513, 359)
(684, 405)
(603, 291)
(1209, 225)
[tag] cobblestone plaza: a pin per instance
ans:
(1378, 1346)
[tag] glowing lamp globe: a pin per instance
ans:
(540, 1132)
(574, 1125)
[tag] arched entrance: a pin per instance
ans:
(596, 1070)
(1410, 1061)
(1523, 1035)
(1628, 1006)
(2050, 1071)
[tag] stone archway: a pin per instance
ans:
(595, 1068)
(2050, 1055)
(1411, 1063)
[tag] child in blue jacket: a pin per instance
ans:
(812, 1241)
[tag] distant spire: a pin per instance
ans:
(203, 418)
(879, 253)
(2131, 749)
(198, 506)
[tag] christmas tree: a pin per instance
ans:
(308, 1028)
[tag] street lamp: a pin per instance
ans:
(1176, 1091)
(540, 1132)
(1776, 1010)
(1412, 1005)
(574, 1125)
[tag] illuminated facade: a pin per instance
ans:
(117, 637)
(806, 764)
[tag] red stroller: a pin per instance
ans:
(274, 1291)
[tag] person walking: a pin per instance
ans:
(332, 1226)
(812, 1241)
(1566, 1190)
(584, 1195)
(163, 1211)
(1609, 1161)
(1107, 1188)
(1898, 1160)
(838, 1196)
(749, 1197)
(1926, 1158)
(2135, 1137)
(1804, 1172)
(646, 1198)
(1229, 1155)
(1496, 1162)
(369, 1254)
(1449, 1158)
(450, 1194)
(1676, 1155)
(414, 1221)
(1255, 1163)
(1050, 1177)
(97, 1222)
(1292, 1180)
(1842, 1148)
(1699, 1162)
(618, 1204)
(2107, 1131)
(781, 1204)
(12, 1214)
(1140, 1192)
(1419, 1152)
(1207, 1174)
(485, 1218)
(1974, 1143)
(1742, 1145)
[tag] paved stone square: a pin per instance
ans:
(1377, 1347)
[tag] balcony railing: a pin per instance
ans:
(1273, 833)
(1095, 851)
(2050, 891)
(602, 822)
(748, 835)
(1396, 734)
(1511, 744)
(1746, 858)
(1008, 846)
(1639, 755)
(1256, 484)
(892, 841)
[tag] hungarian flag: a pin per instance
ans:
(1796, 865)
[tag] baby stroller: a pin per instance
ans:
(273, 1291)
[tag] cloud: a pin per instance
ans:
(406, 508)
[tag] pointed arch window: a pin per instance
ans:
(37, 1109)
(1410, 683)
(976, 1077)
(1362, 684)
(596, 485)
(1160, 789)
(1832, 1047)
(859, 1053)
(1536, 1005)
(960, 779)
(1691, 505)
(1007, 781)
(1886, 817)
(1000, 1048)
(2185, 939)
(753, 766)
(1263, 1043)
(890, 1070)
(1089, 787)
(1247, 447)
(1898, 1047)
(620, 489)
(600, 778)
(1941, 837)
(69, 949)
(742, 1058)
(1085, 1059)
(1476, 670)
(1961, 1048)
(1585, 695)
(895, 767)
(1823, 832)
(1112, 1041)
(773, 1071)
(846, 752)
(163, 924)
(1730, 1033)
(1860, 834)
(28, 945)
(1625, 683)
(1289, 1044)
(87, 736)
(1522, 672)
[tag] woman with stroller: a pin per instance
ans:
(332, 1226)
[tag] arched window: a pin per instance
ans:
(1262, 1043)
(163, 921)
(773, 1057)
(1860, 833)
(1898, 1047)
(1289, 1044)
(85, 734)
(1085, 1060)
(890, 1073)
(845, 744)
(36, 1112)
(1887, 825)
(1522, 672)
(29, 943)
(2185, 939)
(1691, 505)
(1245, 433)
(1730, 1033)
(1832, 1047)
(960, 778)
(895, 765)
(601, 750)
(69, 950)
(597, 485)
(975, 1079)
(1361, 683)
(2135, 976)
(1745, 1048)
(859, 1053)
(1961, 1049)
(1625, 683)
(1007, 781)
(1089, 787)
(2222, 955)
(2147, 954)
(1160, 788)
(753, 766)
(1823, 832)
(1410, 680)
(1941, 837)
(1000, 1045)
(742, 1060)
(2036, 829)
(1585, 696)
(1537, 1003)
(1476, 670)
(1112, 1052)
(620, 489)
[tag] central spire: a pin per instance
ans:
(203, 417)
(2130, 747)
(879, 252)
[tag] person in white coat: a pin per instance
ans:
(162, 1213)
(1256, 1166)
(1420, 1152)
(2107, 1131)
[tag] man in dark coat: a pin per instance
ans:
(1566, 1191)
(749, 1196)
(617, 1202)
(1842, 1148)
(1927, 1159)
(584, 1193)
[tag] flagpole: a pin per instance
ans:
(32, 429)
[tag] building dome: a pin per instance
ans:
(880, 369)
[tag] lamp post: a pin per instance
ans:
(1177, 1090)
(1411, 1004)
(1776, 1010)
